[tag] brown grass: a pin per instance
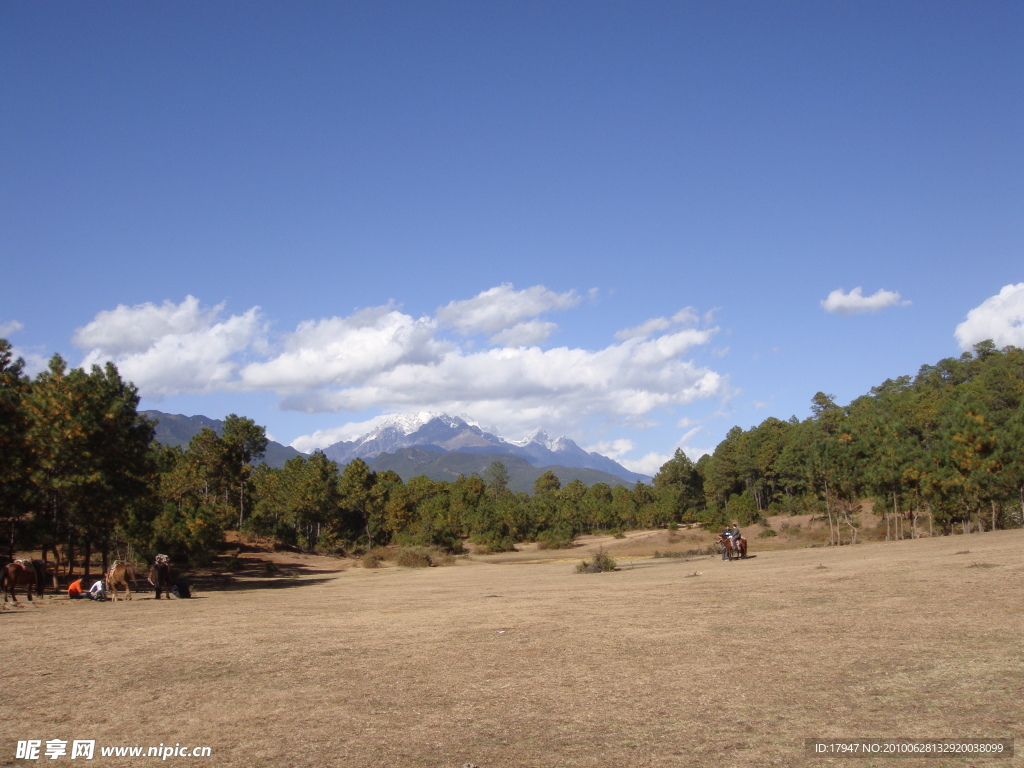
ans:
(515, 660)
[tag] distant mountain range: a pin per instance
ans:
(175, 429)
(441, 433)
(439, 446)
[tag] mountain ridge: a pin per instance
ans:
(178, 429)
(454, 434)
(434, 444)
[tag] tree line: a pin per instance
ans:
(941, 450)
(82, 474)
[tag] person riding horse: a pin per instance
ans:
(732, 542)
(727, 541)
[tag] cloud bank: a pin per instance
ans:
(8, 327)
(999, 318)
(173, 349)
(382, 359)
(856, 303)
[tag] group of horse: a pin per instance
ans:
(31, 574)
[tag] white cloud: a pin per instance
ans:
(132, 330)
(999, 318)
(612, 448)
(172, 349)
(651, 463)
(518, 388)
(343, 351)
(686, 316)
(384, 360)
(9, 327)
(524, 334)
(502, 307)
(855, 302)
(346, 432)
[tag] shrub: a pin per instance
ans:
(602, 563)
(495, 543)
(413, 558)
(441, 556)
(372, 560)
(767, 533)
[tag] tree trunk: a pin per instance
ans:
(828, 511)
(88, 555)
(56, 563)
(853, 528)
(993, 514)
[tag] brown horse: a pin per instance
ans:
(160, 576)
(732, 549)
(118, 576)
(27, 572)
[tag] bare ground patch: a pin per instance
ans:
(535, 665)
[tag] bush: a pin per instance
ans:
(493, 543)
(372, 560)
(413, 558)
(602, 563)
(767, 533)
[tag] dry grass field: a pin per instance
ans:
(517, 660)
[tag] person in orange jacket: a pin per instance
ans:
(75, 590)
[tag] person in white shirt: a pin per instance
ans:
(98, 591)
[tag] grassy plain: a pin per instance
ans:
(516, 660)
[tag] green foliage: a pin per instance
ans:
(941, 450)
(555, 538)
(494, 543)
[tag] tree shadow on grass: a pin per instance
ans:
(253, 574)
(229, 583)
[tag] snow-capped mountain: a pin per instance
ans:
(450, 434)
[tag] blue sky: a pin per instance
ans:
(636, 224)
